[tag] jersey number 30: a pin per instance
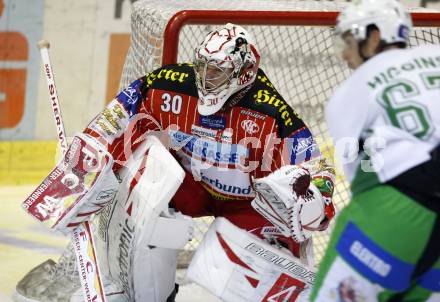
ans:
(173, 103)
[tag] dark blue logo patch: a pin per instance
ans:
(131, 96)
(302, 146)
(430, 280)
(372, 261)
(403, 31)
(213, 121)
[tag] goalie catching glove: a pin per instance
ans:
(296, 199)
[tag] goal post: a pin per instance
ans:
(294, 38)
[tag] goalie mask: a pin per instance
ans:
(225, 63)
(389, 16)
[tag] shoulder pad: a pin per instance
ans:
(264, 98)
(175, 77)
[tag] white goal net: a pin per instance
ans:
(297, 56)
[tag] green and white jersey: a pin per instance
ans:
(391, 106)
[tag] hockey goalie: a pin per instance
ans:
(208, 138)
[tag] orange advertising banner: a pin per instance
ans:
(21, 26)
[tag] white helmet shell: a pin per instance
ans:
(229, 51)
(390, 16)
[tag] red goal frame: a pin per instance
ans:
(187, 17)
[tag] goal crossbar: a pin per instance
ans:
(305, 18)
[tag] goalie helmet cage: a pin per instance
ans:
(294, 39)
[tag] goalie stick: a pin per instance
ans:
(85, 252)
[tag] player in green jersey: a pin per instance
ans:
(386, 242)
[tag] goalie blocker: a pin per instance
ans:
(237, 266)
(80, 185)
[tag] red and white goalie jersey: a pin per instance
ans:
(254, 135)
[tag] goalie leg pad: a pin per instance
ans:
(237, 266)
(129, 230)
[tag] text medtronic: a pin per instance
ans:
(364, 255)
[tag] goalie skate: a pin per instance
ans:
(50, 281)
